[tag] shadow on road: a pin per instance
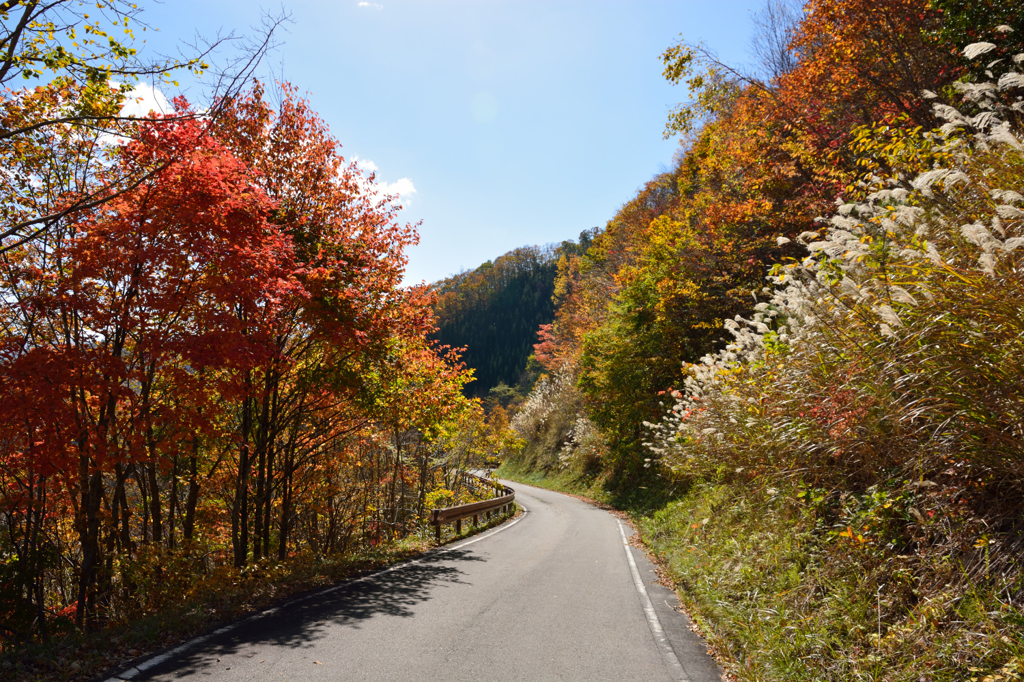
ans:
(301, 623)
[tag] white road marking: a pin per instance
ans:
(652, 617)
(157, 660)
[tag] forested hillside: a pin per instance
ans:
(494, 311)
(801, 346)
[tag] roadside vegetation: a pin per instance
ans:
(795, 357)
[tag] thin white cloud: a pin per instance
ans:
(371, 5)
(143, 99)
(403, 187)
(365, 165)
(138, 103)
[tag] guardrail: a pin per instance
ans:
(502, 500)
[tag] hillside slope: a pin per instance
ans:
(494, 311)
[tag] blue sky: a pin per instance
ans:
(500, 123)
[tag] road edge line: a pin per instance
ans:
(664, 646)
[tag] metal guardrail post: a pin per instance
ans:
(500, 501)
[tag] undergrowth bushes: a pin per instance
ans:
(557, 433)
(180, 605)
(894, 348)
(783, 581)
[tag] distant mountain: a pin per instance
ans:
(495, 310)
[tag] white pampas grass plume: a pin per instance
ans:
(987, 262)
(1011, 244)
(926, 180)
(1011, 80)
(1009, 212)
(973, 91)
(1007, 195)
(848, 286)
(1002, 133)
(889, 315)
(979, 235)
(975, 50)
(985, 119)
(902, 295)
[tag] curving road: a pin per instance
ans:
(553, 595)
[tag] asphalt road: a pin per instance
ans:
(549, 596)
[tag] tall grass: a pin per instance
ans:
(553, 423)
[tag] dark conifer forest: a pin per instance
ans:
(495, 310)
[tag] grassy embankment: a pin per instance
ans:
(784, 589)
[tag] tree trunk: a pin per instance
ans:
(90, 488)
(155, 512)
(188, 528)
(240, 505)
(172, 503)
(140, 482)
(286, 506)
(125, 521)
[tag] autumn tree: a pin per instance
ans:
(218, 362)
(122, 307)
(349, 259)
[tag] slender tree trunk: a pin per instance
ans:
(286, 505)
(284, 527)
(394, 479)
(268, 494)
(172, 503)
(122, 522)
(240, 506)
(90, 488)
(111, 522)
(273, 431)
(140, 482)
(36, 515)
(155, 512)
(424, 470)
(188, 528)
(261, 478)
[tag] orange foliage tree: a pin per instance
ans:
(208, 368)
